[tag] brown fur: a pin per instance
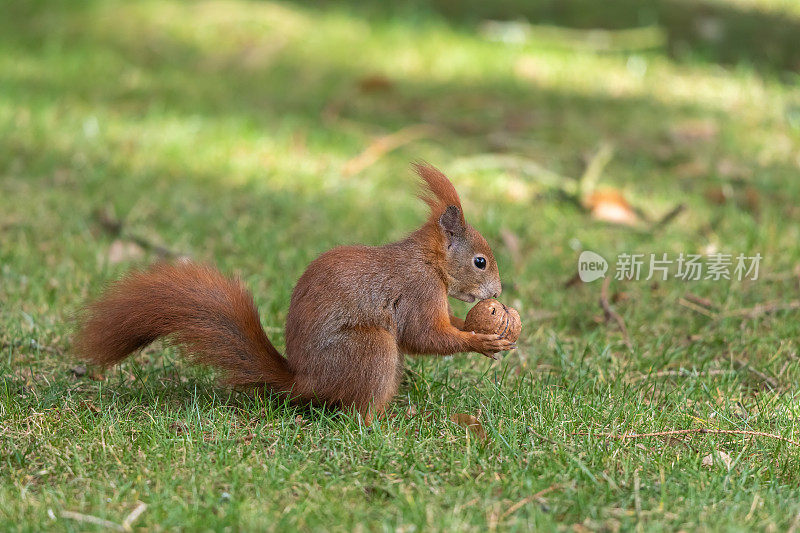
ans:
(353, 314)
(211, 317)
(437, 191)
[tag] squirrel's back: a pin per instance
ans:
(347, 286)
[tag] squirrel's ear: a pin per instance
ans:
(451, 222)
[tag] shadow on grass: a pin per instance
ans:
(493, 114)
(301, 89)
(304, 89)
(696, 29)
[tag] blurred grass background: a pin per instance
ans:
(240, 133)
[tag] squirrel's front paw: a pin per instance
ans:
(489, 343)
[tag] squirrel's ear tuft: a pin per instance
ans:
(437, 191)
(452, 222)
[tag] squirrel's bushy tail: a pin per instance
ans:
(213, 319)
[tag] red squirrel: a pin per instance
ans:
(354, 313)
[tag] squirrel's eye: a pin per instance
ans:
(480, 262)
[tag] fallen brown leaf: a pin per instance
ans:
(375, 83)
(610, 205)
(471, 423)
(752, 199)
(718, 195)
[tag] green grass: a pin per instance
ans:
(222, 130)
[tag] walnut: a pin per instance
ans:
(490, 316)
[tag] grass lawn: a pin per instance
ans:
(231, 131)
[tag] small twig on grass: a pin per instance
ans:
(771, 382)
(126, 525)
(669, 217)
(741, 365)
(791, 275)
(573, 281)
(679, 373)
(116, 228)
(763, 309)
(696, 308)
(587, 183)
(674, 432)
(537, 497)
(160, 251)
(89, 519)
(385, 144)
(753, 507)
(133, 516)
(698, 304)
(548, 439)
(610, 313)
(699, 300)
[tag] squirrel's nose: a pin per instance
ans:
(498, 291)
(491, 289)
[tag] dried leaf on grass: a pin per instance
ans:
(375, 83)
(752, 199)
(748, 198)
(471, 423)
(609, 205)
(718, 195)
